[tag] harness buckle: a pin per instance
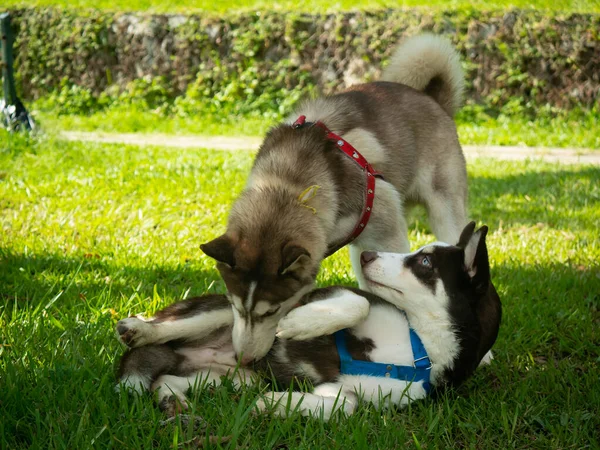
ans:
(414, 364)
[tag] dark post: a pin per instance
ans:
(14, 116)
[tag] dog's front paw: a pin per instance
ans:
(134, 332)
(197, 423)
(269, 402)
(304, 323)
(173, 405)
(487, 359)
(259, 408)
(294, 327)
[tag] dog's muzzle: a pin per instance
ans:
(367, 257)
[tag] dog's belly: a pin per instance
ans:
(202, 357)
(217, 350)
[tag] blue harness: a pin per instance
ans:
(419, 371)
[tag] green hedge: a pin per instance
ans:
(264, 61)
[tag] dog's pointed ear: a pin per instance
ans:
(466, 234)
(476, 258)
(221, 249)
(294, 259)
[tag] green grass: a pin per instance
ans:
(130, 120)
(574, 129)
(221, 6)
(92, 233)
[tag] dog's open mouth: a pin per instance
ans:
(383, 285)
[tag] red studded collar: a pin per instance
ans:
(370, 175)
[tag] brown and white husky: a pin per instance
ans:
(277, 235)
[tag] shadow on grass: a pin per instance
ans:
(549, 310)
(547, 344)
(33, 279)
(559, 199)
(546, 354)
(538, 299)
(567, 200)
(562, 199)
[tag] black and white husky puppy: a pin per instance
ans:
(441, 293)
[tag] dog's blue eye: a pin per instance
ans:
(425, 261)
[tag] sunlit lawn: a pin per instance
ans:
(573, 129)
(92, 233)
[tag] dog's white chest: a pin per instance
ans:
(388, 328)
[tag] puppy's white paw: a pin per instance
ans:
(487, 358)
(133, 383)
(134, 332)
(270, 401)
(306, 322)
(261, 406)
(321, 318)
(174, 404)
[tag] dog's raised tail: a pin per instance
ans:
(430, 64)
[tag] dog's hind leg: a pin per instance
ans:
(384, 392)
(444, 195)
(136, 332)
(326, 400)
(140, 366)
(447, 217)
(171, 389)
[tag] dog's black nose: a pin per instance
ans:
(367, 257)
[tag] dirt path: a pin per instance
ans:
(562, 155)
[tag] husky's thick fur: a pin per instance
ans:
(443, 291)
(274, 245)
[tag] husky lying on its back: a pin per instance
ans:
(442, 292)
(309, 191)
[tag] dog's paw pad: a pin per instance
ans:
(172, 405)
(260, 407)
(196, 422)
(273, 403)
(266, 403)
(130, 331)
